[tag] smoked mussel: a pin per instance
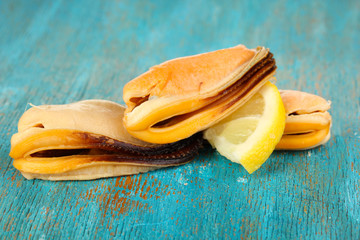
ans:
(87, 140)
(308, 121)
(183, 96)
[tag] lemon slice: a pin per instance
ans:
(250, 134)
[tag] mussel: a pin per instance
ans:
(87, 140)
(180, 97)
(308, 121)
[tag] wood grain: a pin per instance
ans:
(54, 52)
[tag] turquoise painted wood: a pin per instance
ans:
(54, 52)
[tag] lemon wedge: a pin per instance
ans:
(250, 134)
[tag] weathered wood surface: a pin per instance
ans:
(54, 52)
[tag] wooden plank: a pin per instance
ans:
(54, 52)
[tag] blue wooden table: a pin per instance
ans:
(54, 52)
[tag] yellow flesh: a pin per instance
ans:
(46, 139)
(305, 131)
(303, 140)
(297, 127)
(65, 164)
(53, 165)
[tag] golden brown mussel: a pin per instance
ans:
(180, 97)
(308, 122)
(87, 140)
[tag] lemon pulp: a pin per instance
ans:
(250, 134)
